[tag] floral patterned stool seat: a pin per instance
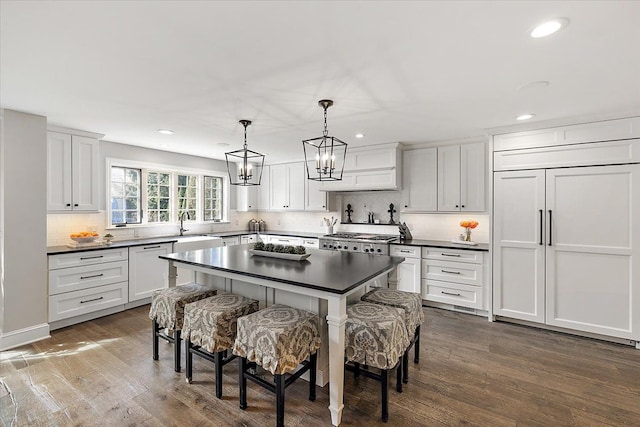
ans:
(278, 338)
(376, 336)
(411, 303)
(209, 330)
(167, 311)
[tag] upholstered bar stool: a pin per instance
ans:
(209, 330)
(278, 338)
(411, 304)
(376, 336)
(167, 312)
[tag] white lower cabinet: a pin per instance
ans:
(230, 241)
(85, 282)
(249, 238)
(407, 276)
(285, 240)
(147, 272)
(454, 276)
(311, 243)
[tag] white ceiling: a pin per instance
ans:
(398, 71)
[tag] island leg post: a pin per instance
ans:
(336, 319)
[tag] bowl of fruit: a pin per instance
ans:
(84, 237)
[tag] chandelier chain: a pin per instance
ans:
(325, 132)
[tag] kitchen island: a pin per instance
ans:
(328, 277)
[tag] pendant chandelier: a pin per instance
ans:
(324, 156)
(244, 166)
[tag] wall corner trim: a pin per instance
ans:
(24, 336)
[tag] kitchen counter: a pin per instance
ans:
(56, 250)
(302, 234)
(442, 244)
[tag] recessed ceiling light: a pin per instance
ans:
(540, 84)
(359, 135)
(223, 144)
(549, 27)
(166, 131)
(525, 116)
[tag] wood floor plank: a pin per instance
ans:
(472, 372)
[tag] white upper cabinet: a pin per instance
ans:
(314, 198)
(264, 189)
(247, 197)
(286, 186)
(72, 172)
(420, 180)
(461, 172)
(369, 168)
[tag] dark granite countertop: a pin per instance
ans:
(56, 250)
(442, 244)
(303, 234)
(332, 271)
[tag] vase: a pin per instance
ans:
(467, 236)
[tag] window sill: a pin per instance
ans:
(163, 224)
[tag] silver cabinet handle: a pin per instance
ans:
(450, 272)
(454, 255)
(92, 257)
(541, 215)
(91, 277)
(405, 251)
(450, 293)
(550, 228)
(89, 300)
(151, 247)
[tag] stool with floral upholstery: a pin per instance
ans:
(209, 330)
(167, 312)
(279, 339)
(411, 303)
(376, 336)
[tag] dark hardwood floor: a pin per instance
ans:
(471, 372)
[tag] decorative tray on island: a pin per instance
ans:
(294, 257)
(464, 242)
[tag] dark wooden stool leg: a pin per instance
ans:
(188, 361)
(279, 379)
(242, 380)
(405, 367)
(312, 376)
(416, 357)
(177, 342)
(356, 370)
(155, 328)
(384, 376)
(399, 375)
(218, 361)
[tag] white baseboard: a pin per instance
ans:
(24, 336)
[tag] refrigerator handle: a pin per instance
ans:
(541, 230)
(550, 228)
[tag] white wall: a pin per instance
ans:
(23, 252)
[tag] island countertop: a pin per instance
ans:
(330, 271)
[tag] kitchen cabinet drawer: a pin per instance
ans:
(452, 293)
(457, 255)
(311, 243)
(87, 276)
(405, 251)
(284, 240)
(458, 272)
(85, 301)
(75, 259)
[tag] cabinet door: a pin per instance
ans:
(519, 245)
(449, 178)
(147, 272)
(247, 198)
(278, 187)
(593, 278)
(314, 199)
(84, 159)
(296, 180)
(420, 180)
(230, 241)
(472, 173)
(408, 275)
(58, 171)
(264, 190)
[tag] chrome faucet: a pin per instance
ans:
(181, 216)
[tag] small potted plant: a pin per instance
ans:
(108, 238)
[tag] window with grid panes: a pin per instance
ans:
(125, 196)
(187, 196)
(212, 198)
(158, 197)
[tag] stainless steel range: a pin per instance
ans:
(357, 242)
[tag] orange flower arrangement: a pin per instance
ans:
(468, 224)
